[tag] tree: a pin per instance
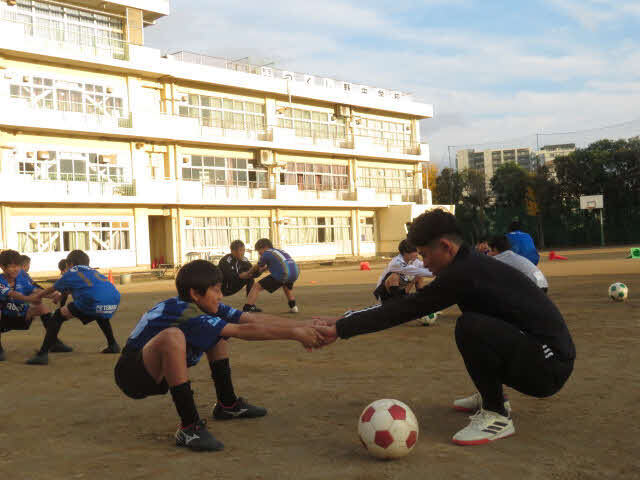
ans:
(509, 186)
(448, 188)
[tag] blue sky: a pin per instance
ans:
(492, 69)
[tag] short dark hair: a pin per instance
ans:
(77, 257)
(500, 243)
(434, 225)
(405, 247)
(10, 257)
(236, 244)
(25, 259)
(199, 275)
(62, 264)
(515, 225)
(263, 243)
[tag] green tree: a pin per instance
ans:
(448, 188)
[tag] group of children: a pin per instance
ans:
(94, 299)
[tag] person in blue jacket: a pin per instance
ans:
(522, 243)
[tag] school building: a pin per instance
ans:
(140, 157)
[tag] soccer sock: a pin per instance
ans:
(292, 303)
(53, 328)
(221, 375)
(395, 291)
(182, 396)
(105, 326)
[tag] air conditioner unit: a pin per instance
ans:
(43, 155)
(364, 90)
(186, 159)
(267, 72)
(396, 95)
(346, 86)
(266, 158)
(288, 75)
(343, 110)
(188, 221)
(33, 226)
(25, 79)
(381, 93)
(109, 90)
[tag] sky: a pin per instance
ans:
(492, 69)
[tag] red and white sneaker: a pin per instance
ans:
(485, 427)
(473, 403)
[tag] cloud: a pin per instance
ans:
(592, 13)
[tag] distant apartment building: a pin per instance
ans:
(488, 161)
(548, 154)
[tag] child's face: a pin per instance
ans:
(11, 271)
(262, 250)
(238, 253)
(410, 257)
(210, 301)
(64, 270)
(26, 266)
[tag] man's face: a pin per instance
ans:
(438, 254)
(238, 253)
(210, 301)
(11, 271)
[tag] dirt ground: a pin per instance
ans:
(69, 420)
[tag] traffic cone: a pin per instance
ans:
(365, 266)
(554, 256)
(110, 277)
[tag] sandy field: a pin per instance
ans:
(70, 421)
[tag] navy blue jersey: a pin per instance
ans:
(201, 330)
(23, 285)
(280, 264)
(92, 292)
(522, 244)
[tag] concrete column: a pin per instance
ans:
(270, 115)
(353, 179)
(5, 222)
(141, 232)
(355, 232)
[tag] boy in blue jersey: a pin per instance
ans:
(283, 272)
(94, 299)
(522, 243)
(16, 293)
(176, 333)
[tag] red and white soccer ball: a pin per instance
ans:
(388, 429)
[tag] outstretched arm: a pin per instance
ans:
(273, 320)
(307, 336)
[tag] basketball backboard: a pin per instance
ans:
(588, 202)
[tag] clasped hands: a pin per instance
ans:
(318, 332)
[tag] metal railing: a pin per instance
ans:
(271, 72)
(77, 190)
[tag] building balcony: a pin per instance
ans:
(293, 193)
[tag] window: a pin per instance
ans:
(367, 230)
(72, 166)
(310, 176)
(65, 236)
(224, 112)
(66, 24)
(385, 179)
(383, 131)
(309, 230)
(224, 171)
(205, 233)
(309, 123)
(50, 94)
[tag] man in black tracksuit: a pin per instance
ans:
(510, 332)
(235, 270)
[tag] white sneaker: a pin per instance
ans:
(474, 403)
(294, 309)
(485, 427)
(428, 320)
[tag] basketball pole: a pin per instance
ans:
(601, 227)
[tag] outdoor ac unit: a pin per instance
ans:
(109, 90)
(396, 95)
(346, 86)
(381, 93)
(25, 78)
(43, 155)
(33, 226)
(267, 72)
(364, 90)
(266, 158)
(188, 221)
(186, 159)
(343, 110)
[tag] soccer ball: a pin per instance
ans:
(388, 429)
(618, 292)
(428, 320)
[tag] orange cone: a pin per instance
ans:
(110, 277)
(554, 256)
(365, 266)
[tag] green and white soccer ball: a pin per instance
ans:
(428, 320)
(618, 292)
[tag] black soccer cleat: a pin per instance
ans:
(240, 409)
(39, 359)
(60, 347)
(197, 438)
(251, 309)
(113, 348)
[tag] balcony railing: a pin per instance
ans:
(300, 78)
(51, 37)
